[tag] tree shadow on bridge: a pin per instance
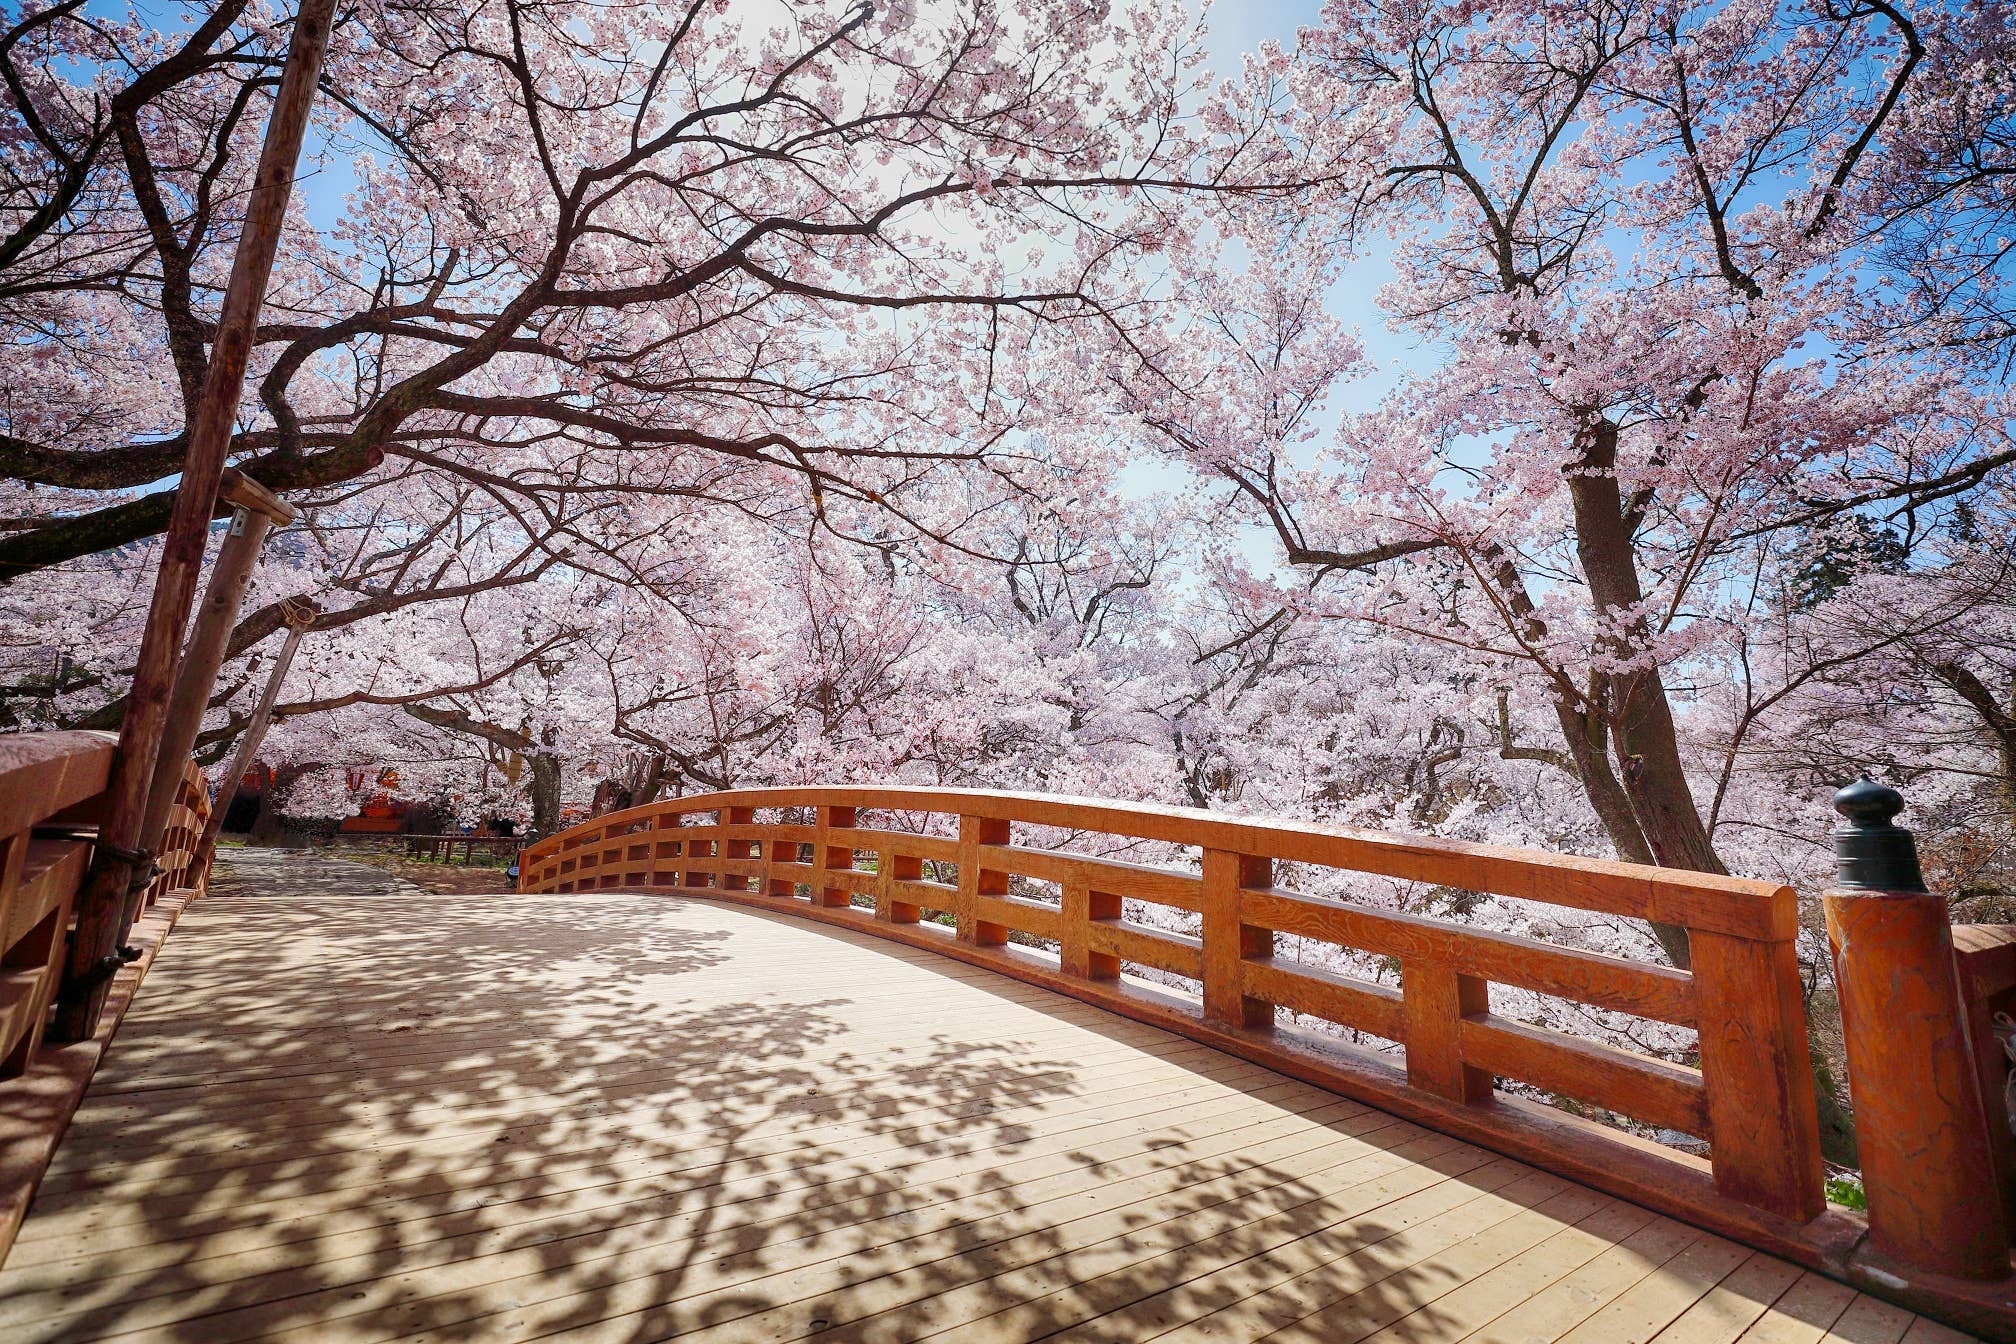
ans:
(629, 1118)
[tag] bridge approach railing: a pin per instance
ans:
(1029, 885)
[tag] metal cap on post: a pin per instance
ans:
(1921, 1128)
(1871, 852)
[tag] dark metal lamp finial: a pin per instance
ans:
(1871, 852)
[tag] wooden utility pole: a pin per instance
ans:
(255, 509)
(120, 863)
(300, 616)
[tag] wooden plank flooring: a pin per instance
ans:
(346, 1110)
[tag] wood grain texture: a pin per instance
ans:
(1134, 881)
(1434, 999)
(1667, 1095)
(1635, 987)
(1920, 1119)
(975, 881)
(1229, 941)
(1759, 1080)
(1985, 959)
(1166, 951)
(1357, 1004)
(625, 1117)
(46, 773)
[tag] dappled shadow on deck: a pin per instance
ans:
(613, 1117)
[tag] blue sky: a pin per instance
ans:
(1236, 28)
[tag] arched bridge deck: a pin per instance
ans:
(609, 1116)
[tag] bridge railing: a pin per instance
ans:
(1751, 1098)
(52, 789)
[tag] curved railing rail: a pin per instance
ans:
(1751, 1098)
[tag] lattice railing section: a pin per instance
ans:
(1751, 1098)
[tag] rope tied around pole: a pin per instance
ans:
(82, 985)
(140, 862)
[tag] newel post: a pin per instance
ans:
(975, 881)
(1920, 1124)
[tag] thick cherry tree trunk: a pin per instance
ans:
(1654, 778)
(1652, 775)
(1588, 739)
(1662, 816)
(1588, 742)
(1586, 733)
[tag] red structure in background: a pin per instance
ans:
(379, 813)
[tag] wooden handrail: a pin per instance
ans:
(52, 788)
(52, 798)
(44, 777)
(1751, 1098)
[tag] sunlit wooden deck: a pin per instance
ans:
(597, 1116)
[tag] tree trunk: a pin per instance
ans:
(1648, 743)
(1654, 780)
(545, 793)
(1588, 746)
(1586, 733)
(611, 795)
(268, 825)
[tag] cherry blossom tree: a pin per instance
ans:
(1641, 249)
(783, 259)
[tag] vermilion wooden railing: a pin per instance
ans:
(51, 795)
(1751, 1098)
(52, 783)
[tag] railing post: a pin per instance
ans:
(1081, 906)
(975, 883)
(776, 852)
(891, 869)
(1920, 1124)
(1228, 941)
(737, 849)
(834, 857)
(1435, 999)
(1764, 1122)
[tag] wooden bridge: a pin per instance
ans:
(748, 1067)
